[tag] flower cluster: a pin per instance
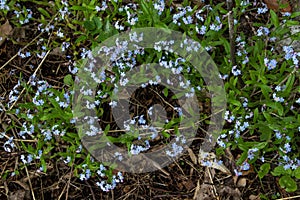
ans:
(270, 64)
(201, 29)
(86, 174)
(217, 25)
(102, 8)
(277, 99)
(183, 15)
(251, 153)
(290, 54)
(209, 160)
(285, 149)
(9, 145)
(22, 55)
(24, 15)
(263, 31)
(262, 9)
(159, 6)
(28, 160)
(63, 11)
(42, 90)
(3, 5)
(241, 50)
(235, 71)
(13, 94)
(48, 28)
(104, 185)
(175, 148)
(137, 149)
(131, 14)
(289, 163)
(244, 167)
(240, 125)
(26, 130)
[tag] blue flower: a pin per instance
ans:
(202, 30)
(142, 120)
(237, 173)
(287, 166)
(262, 10)
(251, 153)
(277, 99)
(245, 166)
(235, 71)
(287, 147)
(263, 31)
(159, 6)
(9, 145)
(176, 150)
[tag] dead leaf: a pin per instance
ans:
(18, 195)
(250, 171)
(235, 178)
(57, 52)
(5, 30)
(189, 185)
(23, 185)
(206, 191)
(254, 197)
(273, 4)
(19, 33)
(230, 192)
(242, 182)
(192, 156)
(197, 190)
(127, 188)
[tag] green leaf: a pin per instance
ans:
(44, 12)
(49, 116)
(288, 183)
(291, 23)
(225, 44)
(107, 26)
(242, 158)
(97, 22)
(89, 25)
(68, 80)
(263, 170)
(161, 25)
(266, 132)
(260, 145)
(280, 171)
(297, 173)
(276, 106)
(234, 102)
(44, 165)
(107, 128)
(265, 90)
(268, 117)
(295, 14)
(80, 39)
(165, 134)
(255, 116)
(289, 85)
(78, 8)
(71, 26)
(145, 7)
(166, 92)
(274, 18)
